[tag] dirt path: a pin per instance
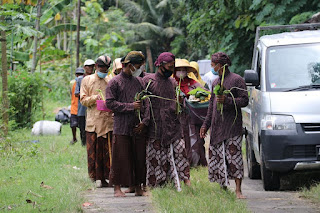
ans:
(259, 200)
(102, 200)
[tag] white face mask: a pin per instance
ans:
(136, 71)
(181, 74)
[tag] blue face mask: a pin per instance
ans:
(102, 74)
(213, 71)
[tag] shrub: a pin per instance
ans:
(25, 97)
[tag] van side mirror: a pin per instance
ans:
(251, 78)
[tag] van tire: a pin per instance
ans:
(253, 166)
(270, 179)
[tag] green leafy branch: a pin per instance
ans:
(100, 93)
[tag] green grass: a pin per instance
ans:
(24, 165)
(313, 193)
(202, 196)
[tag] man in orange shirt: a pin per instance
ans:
(74, 107)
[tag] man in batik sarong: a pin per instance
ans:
(128, 160)
(166, 156)
(225, 157)
(99, 124)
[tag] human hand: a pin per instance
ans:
(137, 105)
(181, 99)
(220, 99)
(203, 132)
(139, 128)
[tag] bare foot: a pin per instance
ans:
(131, 189)
(187, 182)
(140, 192)
(119, 193)
(240, 195)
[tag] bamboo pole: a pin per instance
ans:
(109, 147)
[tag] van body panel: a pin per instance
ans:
(304, 106)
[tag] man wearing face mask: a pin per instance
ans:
(209, 77)
(128, 153)
(99, 124)
(165, 144)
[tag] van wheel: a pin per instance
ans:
(270, 179)
(253, 166)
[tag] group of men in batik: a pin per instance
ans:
(144, 139)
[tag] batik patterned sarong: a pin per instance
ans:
(225, 161)
(98, 156)
(161, 167)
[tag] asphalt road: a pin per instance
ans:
(288, 199)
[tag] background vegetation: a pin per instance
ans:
(45, 42)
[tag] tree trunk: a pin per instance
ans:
(65, 39)
(78, 34)
(58, 38)
(4, 74)
(149, 57)
(35, 47)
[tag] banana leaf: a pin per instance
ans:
(194, 91)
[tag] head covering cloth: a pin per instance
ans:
(116, 64)
(133, 57)
(103, 60)
(221, 58)
(195, 65)
(164, 58)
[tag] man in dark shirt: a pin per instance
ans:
(128, 153)
(166, 156)
(225, 156)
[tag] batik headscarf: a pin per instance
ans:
(163, 58)
(103, 60)
(221, 58)
(133, 57)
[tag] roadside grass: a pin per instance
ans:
(25, 163)
(202, 196)
(313, 193)
(50, 106)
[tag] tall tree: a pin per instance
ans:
(35, 47)
(4, 75)
(78, 33)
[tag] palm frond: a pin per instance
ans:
(169, 32)
(142, 43)
(133, 9)
(62, 27)
(152, 10)
(28, 31)
(162, 4)
(146, 28)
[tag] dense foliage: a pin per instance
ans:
(25, 98)
(229, 26)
